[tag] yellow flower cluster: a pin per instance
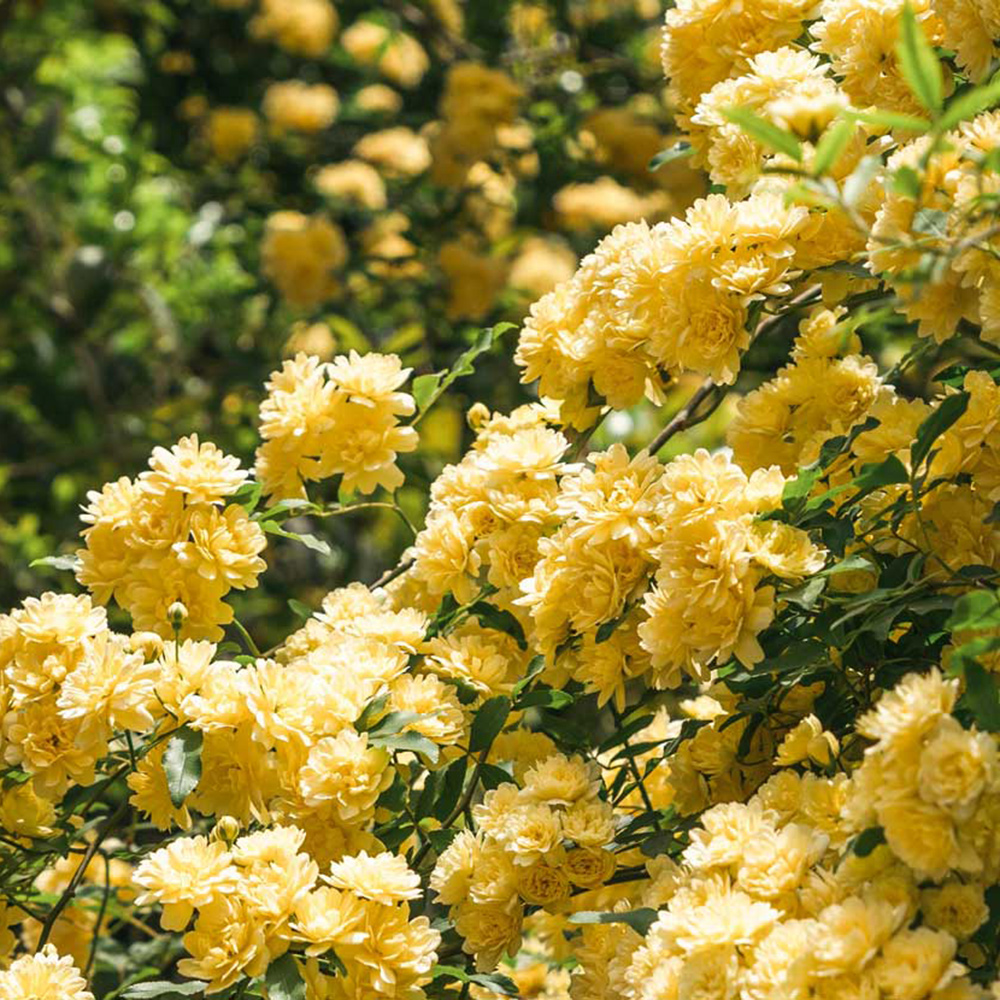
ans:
(534, 844)
(826, 389)
(860, 39)
(491, 509)
(294, 106)
(301, 27)
(476, 102)
(335, 418)
(789, 87)
(660, 300)
(711, 600)
(300, 254)
(231, 132)
(169, 536)
(769, 901)
(68, 684)
(946, 211)
(257, 896)
(43, 976)
(395, 55)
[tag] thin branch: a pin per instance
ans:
(74, 883)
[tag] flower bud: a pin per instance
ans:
(177, 615)
(227, 829)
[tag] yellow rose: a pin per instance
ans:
(542, 884)
(589, 868)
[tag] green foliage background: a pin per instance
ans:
(133, 306)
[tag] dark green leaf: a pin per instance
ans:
(919, 63)
(496, 982)
(982, 696)
(491, 776)
(283, 979)
(182, 763)
(766, 133)
(451, 787)
(545, 698)
(488, 722)
(503, 621)
(866, 841)
(535, 667)
(945, 414)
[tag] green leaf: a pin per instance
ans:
(861, 177)
(832, 144)
(303, 611)
(976, 610)
(919, 63)
(535, 667)
(849, 565)
(463, 365)
(639, 920)
(801, 654)
(283, 979)
(806, 595)
(905, 181)
(70, 563)
(891, 119)
(285, 508)
(248, 496)
(424, 388)
(503, 621)
(371, 711)
(488, 722)
(394, 722)
(866, 841)
(982, 696)
(605, 631)
(545, 698)
(414, 742)
(309, 541)
(969, 104)
(676, 152)
(931, 222)
(878, 474)
(496, 982)
(182, 763)
(491, 776)
(155, 989)
(945, 414)
(451, 788)
(766, 133)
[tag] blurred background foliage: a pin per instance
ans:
(480, 150)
